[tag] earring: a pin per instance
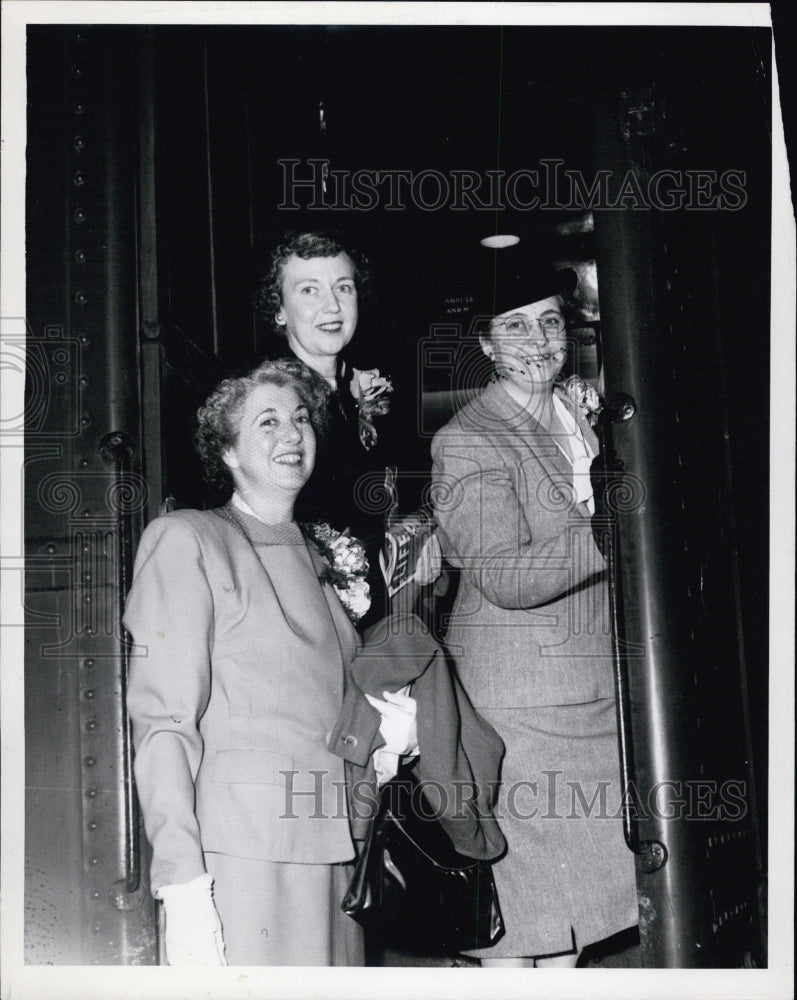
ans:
(280, 318)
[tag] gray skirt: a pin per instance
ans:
(567, 878)
(274, 913)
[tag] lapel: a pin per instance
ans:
(523, 432)
(348, 637)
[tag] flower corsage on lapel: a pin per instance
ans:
(585, 398)
(345, 566)
(371, 392)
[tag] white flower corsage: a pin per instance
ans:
(346, 566)
(371, 393)
(585, 397)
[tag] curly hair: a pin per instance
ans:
(218, 420)
(268, 297)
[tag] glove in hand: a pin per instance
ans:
(399, 730)
(193, 928)
(398, 722)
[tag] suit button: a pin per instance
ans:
(350, 741)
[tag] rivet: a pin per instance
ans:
(81, 298)
(151, 328)
(76, 71)
(85, 513)
(93, 825)
(78, 180)
(84, 340)
(49, 549)
(80, 256)
(96, 894)
(78, 108)
(97, 928)
(87, 577)
(85, 420)
(89, 661)
(61, 378)
(84, 462)
(94, 861)
(89, 629)
(90, 761)
(91, 793)
(87, 599)
(79, 216)
(91, 725)
(90, 694)
(79, 142)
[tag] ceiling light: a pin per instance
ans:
(499, 241)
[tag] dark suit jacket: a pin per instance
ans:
(530, 625)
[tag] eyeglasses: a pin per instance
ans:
(520, 326)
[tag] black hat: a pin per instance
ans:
(511, 277)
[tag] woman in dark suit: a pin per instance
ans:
(236, 681)
(530, 628)
(310, 297)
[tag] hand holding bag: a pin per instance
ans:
(412, 889)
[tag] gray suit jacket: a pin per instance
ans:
(236, 681)
(530, 625)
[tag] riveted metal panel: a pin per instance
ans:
(87, 898)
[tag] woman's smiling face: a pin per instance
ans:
(529, 344)
(275, 448)
(319, 306)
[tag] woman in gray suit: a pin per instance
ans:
(241, 646)
(530, 628)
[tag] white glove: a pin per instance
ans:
(193, 928)
(398, 728)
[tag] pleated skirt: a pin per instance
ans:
(567, 878)
(273, 913)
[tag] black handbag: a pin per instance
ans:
(412, 890)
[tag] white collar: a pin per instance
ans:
(239, 502)
(578, 443)
(582, 454)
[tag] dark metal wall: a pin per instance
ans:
(87, 898)
(673, 342)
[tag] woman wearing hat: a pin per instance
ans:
(530, 628)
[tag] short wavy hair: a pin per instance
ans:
(218, 420)
(268, 297)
